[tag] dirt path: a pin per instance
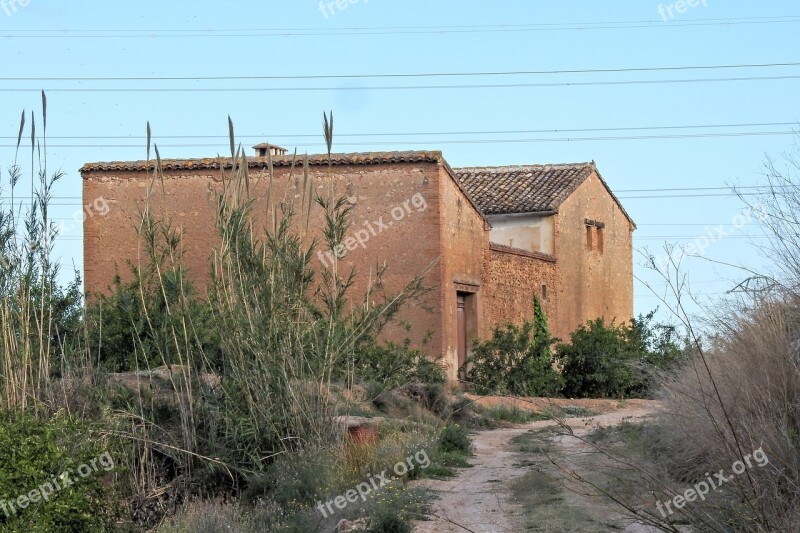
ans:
(478, 499)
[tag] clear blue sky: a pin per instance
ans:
(91, 39)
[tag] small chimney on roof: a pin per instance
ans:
(265, 148)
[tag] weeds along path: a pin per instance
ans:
(480, 499)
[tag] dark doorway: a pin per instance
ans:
(461, 313)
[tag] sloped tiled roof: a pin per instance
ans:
(491, 190)
(212, 163)
(215, 163)
(522, 189)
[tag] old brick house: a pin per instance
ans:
(498, 236)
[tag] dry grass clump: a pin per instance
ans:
(740, 396)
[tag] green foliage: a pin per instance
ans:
(203, 516)
(517, 360)
(451, 459)
(251, 360)
(575, 411)
(598, 362)
(34, 453)
(286, 327)
(388, 523)
(131, 328)
(298, 480)
(392, 365)
(273, 330)
(39, 317)
(392, 508)
(661, 343)
(454, 438)
(513, 414)
(609, 361)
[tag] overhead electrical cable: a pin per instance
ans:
(156, 33)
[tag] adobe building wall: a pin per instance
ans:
(465, 243)
(512, 282)
(426, 218)
(594, 281)
(406, 245)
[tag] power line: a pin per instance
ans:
(738, 236)
(262, 136)
(616, 191)
(24, 200)
(663, 237)
(712, 225)
(436, 142)
(392, 30)
(407, 75)
(710, 195)
(705, 282)
(768, 187)
(701, 195)
(690, 293)
(398, 87)
(695, 237)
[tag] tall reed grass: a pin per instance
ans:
(37, 315)
(215, 387)
(285, 332)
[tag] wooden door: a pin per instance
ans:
(461, 329)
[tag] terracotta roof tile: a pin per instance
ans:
(492, 190)
(522, 189)
(369, 158)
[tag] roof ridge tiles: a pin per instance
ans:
(210, 163)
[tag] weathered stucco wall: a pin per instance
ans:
(405, 197)
(410, 217)
(465, 242)
(531, 233)
(592, 282)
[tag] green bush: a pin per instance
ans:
(454, 438)
(517, 360)
(659, 343)
(609, 361)
(598, 362)
(388, 523)
(132, 327)
(300, 479)
(38, 454)
(392, 364)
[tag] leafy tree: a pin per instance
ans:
(517, 360)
